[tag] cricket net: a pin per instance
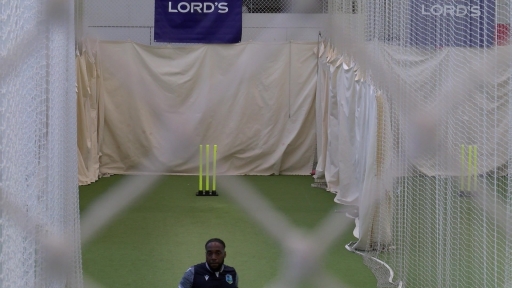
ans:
(39, 221)
(432, 194)
(430, 184)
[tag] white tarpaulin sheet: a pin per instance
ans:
(254, 100)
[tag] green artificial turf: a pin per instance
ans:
(158, 238)
(446, 239)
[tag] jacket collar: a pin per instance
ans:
(221, 268)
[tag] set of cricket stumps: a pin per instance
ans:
(207, 190)
(468, 180)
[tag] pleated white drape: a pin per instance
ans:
(354, 146)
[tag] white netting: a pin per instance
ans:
(420, 90)
(442, 209)
(39, 208)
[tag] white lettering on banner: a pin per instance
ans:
(212, 7)
(462, 10)
(451, 10)
(199, 7)
(476, 11)
(181, 9)
(223, 7)
(196, 6)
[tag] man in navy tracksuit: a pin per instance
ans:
(212, 273)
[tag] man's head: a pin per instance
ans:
(215, 253)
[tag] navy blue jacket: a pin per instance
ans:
(200, 276)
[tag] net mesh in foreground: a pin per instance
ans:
(435, 203)
(39, 221)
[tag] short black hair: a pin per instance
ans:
(215, 240)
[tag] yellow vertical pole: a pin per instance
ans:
(200, 167)
(207, 167)
(214, 173)
(462, 166)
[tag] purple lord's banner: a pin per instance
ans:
(192, 21)
(452, 23)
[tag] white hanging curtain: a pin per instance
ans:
(254, 100)
(354, 147)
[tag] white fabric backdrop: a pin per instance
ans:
(348, 143)
(321, 108)
(455, 106)
(89, 115)
(347, 140)
(254, 100)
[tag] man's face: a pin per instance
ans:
(215, 255)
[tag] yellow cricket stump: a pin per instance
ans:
(462, 165)
(200, 169)
(214, 173)
(468, 180)
(206, 191)
(207, 168)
